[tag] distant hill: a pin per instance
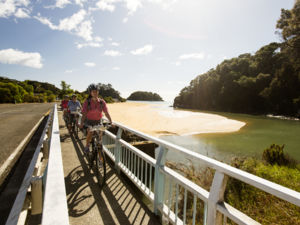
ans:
(144, 96)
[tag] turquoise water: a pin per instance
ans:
(258, 134)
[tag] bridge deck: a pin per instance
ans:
(117, 203)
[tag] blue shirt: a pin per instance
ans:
(74, 105)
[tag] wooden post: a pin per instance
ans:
(216, 195)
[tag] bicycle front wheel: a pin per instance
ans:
(101, 167)
(76, 130)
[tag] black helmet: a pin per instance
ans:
(74, 95)
(66, 96)
(93, 87)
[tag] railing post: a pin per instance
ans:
(159, 181)
(216, 195)
(118, 150)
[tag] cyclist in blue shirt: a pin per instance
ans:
(73, 106)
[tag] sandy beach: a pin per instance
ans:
(158, 121)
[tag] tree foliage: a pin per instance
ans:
(144, 96)
(109, 93)
(13, 91)
(266, 82)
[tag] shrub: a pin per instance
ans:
(275, 155)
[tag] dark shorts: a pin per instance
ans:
(91, 122)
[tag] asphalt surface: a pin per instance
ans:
(116, 203)
(16, 121)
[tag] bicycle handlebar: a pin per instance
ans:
(75, 113)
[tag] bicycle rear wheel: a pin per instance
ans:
(101, 167)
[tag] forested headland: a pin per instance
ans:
(266, 82)
(144, 96)
(14, 91)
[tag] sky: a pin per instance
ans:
(135, 45)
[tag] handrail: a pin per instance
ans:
(55, 209)
(134, 163)
(263, 184)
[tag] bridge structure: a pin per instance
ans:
(140, 189)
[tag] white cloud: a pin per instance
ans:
(89, 44)
(74, 24)
(85, 30)
(192, 56)
(12, 56)
(90, 64)
(15, 8)
(62, 3)
(98, 39)
(69, 71)
(106, 5)
(46, 21)
(143, 51)
(133, 5)
(116, 68)
(125, 20)
(115, 44)
(80, 2)
(166, 4)
(112, 53)
(22, 13)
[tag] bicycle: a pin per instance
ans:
(97, 154)
(75, 121)
(66, 116)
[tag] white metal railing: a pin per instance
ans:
(55, 209)
(167, 189)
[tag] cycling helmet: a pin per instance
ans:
(66, 96)
(93, 87)
(74, 95)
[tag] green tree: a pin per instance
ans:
(5, 95)
(65, 89)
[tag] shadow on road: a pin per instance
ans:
(116, 201)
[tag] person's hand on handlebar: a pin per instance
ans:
(81, 126)
(111, 124)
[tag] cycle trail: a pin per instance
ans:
(116, 203)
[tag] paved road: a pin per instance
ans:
(16, 121)
(117, 203)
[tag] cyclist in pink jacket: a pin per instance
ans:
(92, 112)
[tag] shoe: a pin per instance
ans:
(86, 150)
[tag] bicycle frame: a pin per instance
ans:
(97, 155)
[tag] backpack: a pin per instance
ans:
(89, 104)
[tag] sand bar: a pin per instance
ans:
(158, 121)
